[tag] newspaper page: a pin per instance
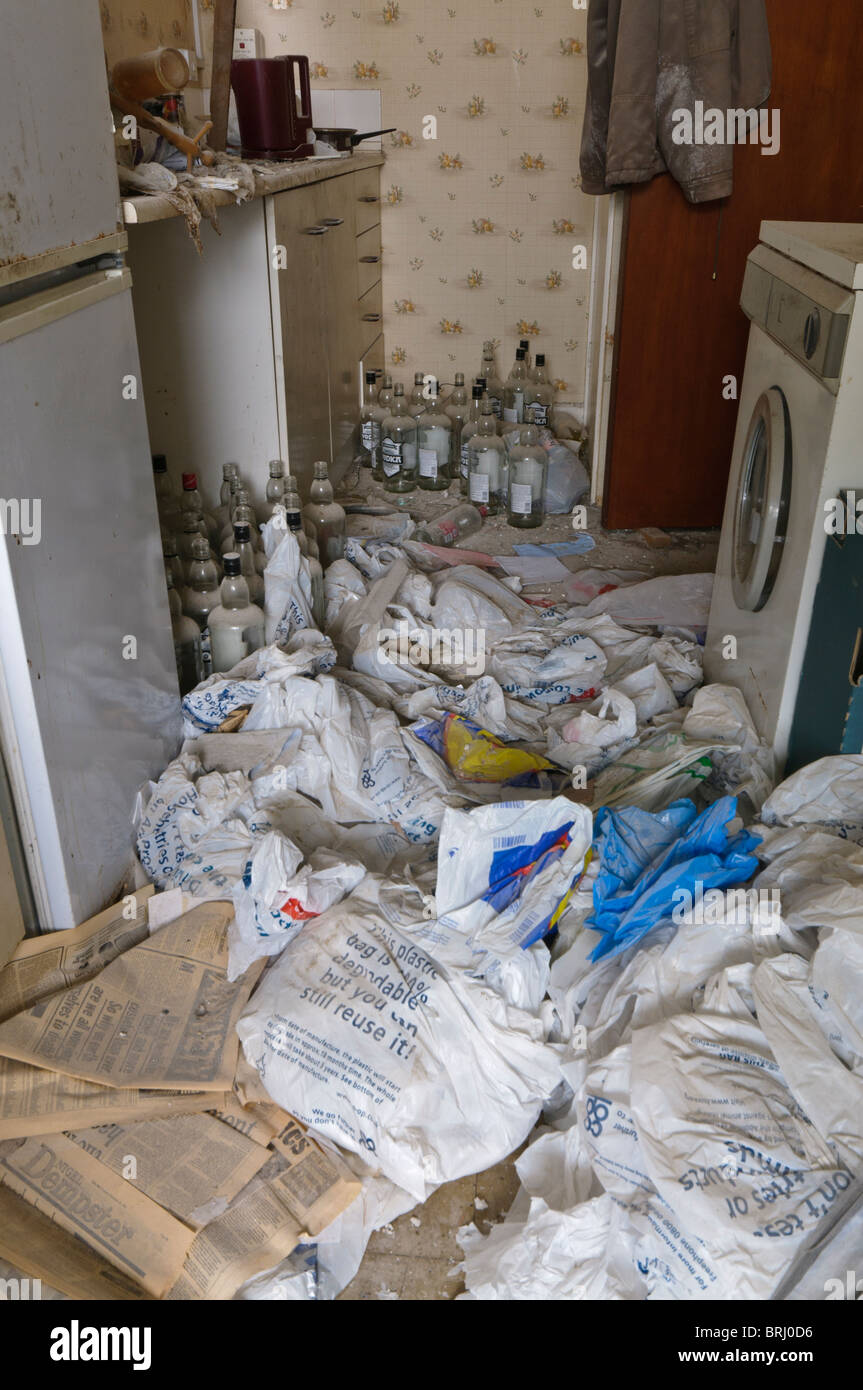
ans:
(243, 1119)
(36, 1101)
(43, 1250)
(105, 1211)
(161, 1015)
(43, 964)
(191, 1165)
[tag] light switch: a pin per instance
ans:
(248, 43)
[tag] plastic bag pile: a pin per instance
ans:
(403, 836)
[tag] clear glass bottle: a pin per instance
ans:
(399, 446)
(451, 528)
(540, 393)
(382, 409)
(243, 511)
(493, 383)
(306, 538)
(191, 502)
(193, 529)
(275, 483)
(229, 471)
(524, 344)
(294, 519)
(236, 624)
(200, 594)
(469, 429)
(434, 445)
(369, 437)
(514, 391)
(244, 548)
(327, 517)
(173, 563)
(188, 652)
(528, 465)
(457, 408)
(487, 483)
(418, 399)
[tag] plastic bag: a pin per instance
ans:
(475, 755)
(675, 600)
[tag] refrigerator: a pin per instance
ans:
(89, 702)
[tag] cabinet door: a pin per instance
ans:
(300, 310)
(340, 297)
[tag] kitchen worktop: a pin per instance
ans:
(156, 207)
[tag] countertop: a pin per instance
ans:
(154, 207)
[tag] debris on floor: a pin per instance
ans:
(455, 868)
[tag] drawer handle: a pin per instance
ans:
(315, 231)
(369, 260)
(369, 198)
(332, 221)
(372, 318)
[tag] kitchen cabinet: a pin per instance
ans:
(257, 349)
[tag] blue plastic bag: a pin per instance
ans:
(646, 857)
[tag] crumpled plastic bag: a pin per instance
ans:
(474, 755)
(674, 600)
(287, 585)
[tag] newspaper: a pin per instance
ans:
(264, 1225)
(161, 1015)
(38, 1246)
(243, 1119)
(43, 964)
(191, 1165)
(87, 1199)
(36, 1101)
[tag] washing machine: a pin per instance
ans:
(798, 446)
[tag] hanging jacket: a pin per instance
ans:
(651, 59)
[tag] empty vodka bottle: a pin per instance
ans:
(513, 391)
(236, 624)
(187, 643)
(451, 528)
(418, 399)
(200, 593)
(167, 501)
(540, 393)
(399, 446)
(434, 446)
(458, 409)
(469, 429)
(370, 426)
(275, 483)
(173, 563)
(229, 471)
(243, 547)
(487, 483)
(381, 410)
(316, 575)
(327, 517)
(493, 383)
(193, 529)
(528, 466)
(191, 502)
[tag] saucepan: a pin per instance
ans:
(343, 138)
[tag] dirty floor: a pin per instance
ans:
(417, 1257)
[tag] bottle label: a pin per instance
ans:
(464, 464)
(510, 416)
(521, 498)
(479, 487)
(370, 433)
(540, 413)
(496, 403)
(428, 463)
(392, 457)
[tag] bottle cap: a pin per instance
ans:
(232, 564)
(200, 549)
(229, 469)
(321, 467)
(371, 378)
(520, 354)
(190, 482)
(160, 463)
(241, 531)
(277, 468)
(524, 343)
(418, 378)
(459, 378)
(478, 390)
(540, 359)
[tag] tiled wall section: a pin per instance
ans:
(479, 224)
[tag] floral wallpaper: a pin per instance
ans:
(480, 225)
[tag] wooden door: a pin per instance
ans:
(681, 331)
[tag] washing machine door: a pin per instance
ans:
(763, 502)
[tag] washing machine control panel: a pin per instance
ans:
(806, 314)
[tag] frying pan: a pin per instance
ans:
(343, 137)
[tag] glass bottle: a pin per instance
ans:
(458, 409)
(236, 624)
(200, 593)
(243, 547)
(418, 398)
(193, 529)
(303, 527)
(187, 643)
(229, 471)
(524, 344)
(399, 446)
(243, 511)
(469, 429)
(382, 409)
(316, 575)
(540, 393)
(275, 483)
(327, 517)
(370, 427)
(191, 502)
(487, 483)
(528, 464)
(452, 527)
(493, 383)
(173, 563)
(434, 445)
(514, 390)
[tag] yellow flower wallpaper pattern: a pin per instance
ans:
(478, 224)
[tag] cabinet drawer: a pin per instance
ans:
(368, 260)
(370, 315)
(367, 192)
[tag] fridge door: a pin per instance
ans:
(56, 139)
(86, 650)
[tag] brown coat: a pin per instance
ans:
(650, 58)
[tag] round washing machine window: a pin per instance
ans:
(763, 502)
